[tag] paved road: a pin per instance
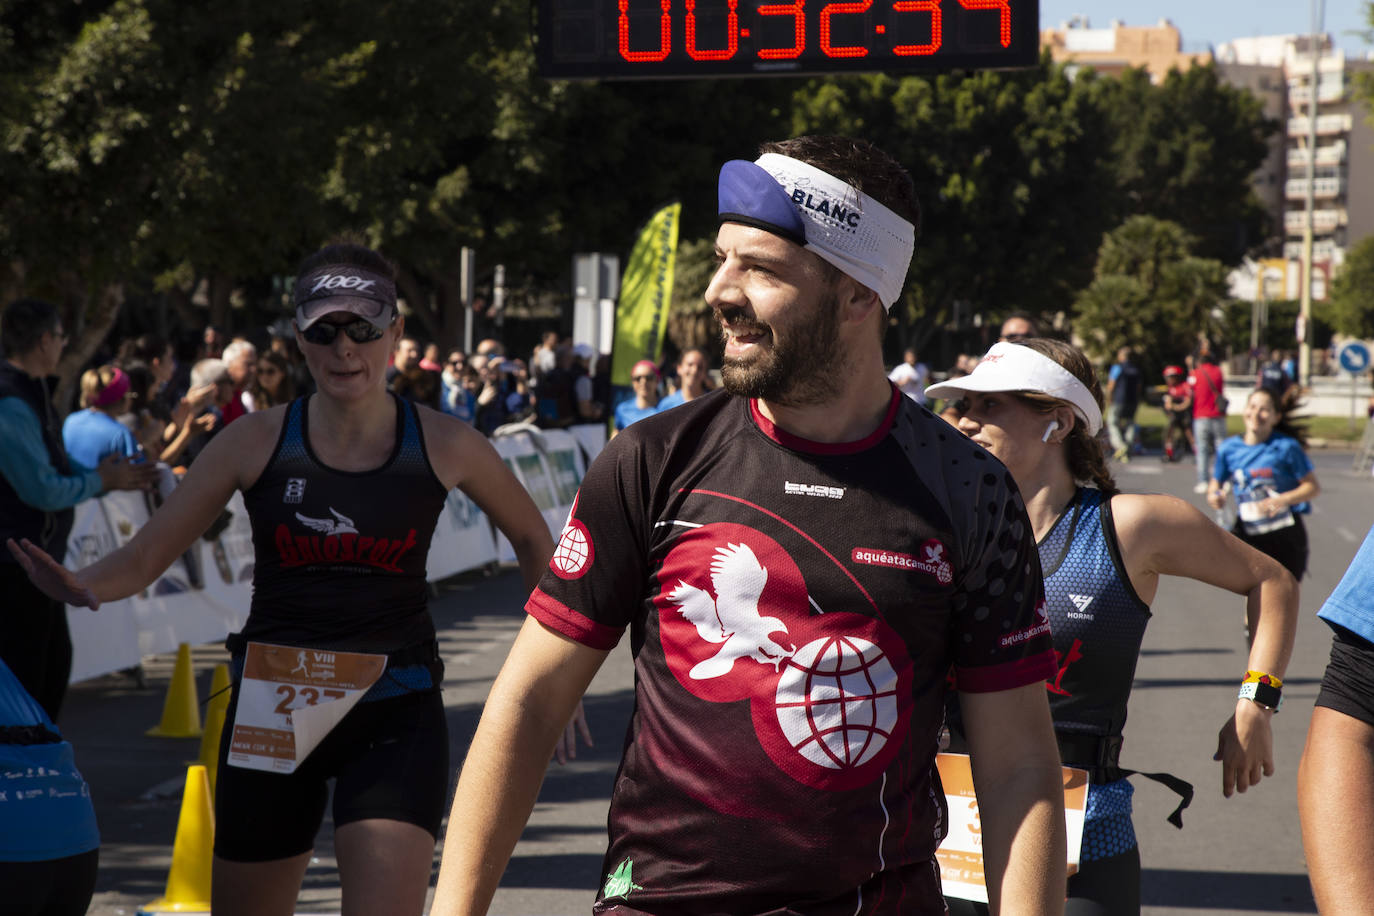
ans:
(1241, 855)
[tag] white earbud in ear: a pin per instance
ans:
(1054, 424)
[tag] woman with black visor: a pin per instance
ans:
(343, 489)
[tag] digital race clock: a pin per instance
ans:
(617, 39)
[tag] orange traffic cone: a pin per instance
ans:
(215, 711)
(181, 710)
(188, 882)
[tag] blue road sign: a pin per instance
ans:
(1353, 357)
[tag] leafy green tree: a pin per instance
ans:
(1010, 170)
(155, 144)
(1151, 293)
(1184, 151)
(1351, 306)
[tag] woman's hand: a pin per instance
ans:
(566, 748)
(204, 423)
(200, 397)
(1245, 747)
(51, 577)
(1216, 497)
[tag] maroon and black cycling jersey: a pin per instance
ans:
(340, 556)
(795, 610)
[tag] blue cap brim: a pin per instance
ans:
(748, 194)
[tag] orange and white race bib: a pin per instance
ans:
(961, 853)
(290, 698)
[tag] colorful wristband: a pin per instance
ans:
(1259, 677)
(1266, 695)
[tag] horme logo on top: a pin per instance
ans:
(1081, 602)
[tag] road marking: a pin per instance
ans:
(1346, 533)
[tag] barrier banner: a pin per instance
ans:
(533, 456)
(102, 640)
(462, 539)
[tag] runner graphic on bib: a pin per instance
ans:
(290, 698)
(1253, 488)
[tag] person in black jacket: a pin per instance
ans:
(39, 486)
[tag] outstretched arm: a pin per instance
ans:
(1020, 787)
(530, 702)
(231, 460)
(1162, 535)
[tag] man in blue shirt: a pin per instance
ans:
(1123, 396)
(644, 378)
(39, 486)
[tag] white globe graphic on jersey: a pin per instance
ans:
(572, 553)
(836, 701)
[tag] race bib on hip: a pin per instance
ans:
(290, 698)
(961, 854)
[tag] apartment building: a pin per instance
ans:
(1278, 70)
(1158, 48)
(1342, 158)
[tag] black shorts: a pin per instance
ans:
(52, 887)
(1102, 887)
(1287, 545)
(388, 759)
(1348, 685)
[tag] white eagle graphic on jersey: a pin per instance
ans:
(732, 618)
(339, 524)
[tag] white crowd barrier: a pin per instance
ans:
(205, 594)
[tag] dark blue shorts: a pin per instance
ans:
(388, 759)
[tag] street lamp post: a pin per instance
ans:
(1305, 298)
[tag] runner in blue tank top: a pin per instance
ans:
(343, 490)
(1037, 406)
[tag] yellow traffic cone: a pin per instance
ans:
(181, 710)
(217, 707)
(188, 882)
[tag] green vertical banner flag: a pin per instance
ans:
(646, 289)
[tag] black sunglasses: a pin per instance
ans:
(359, 330)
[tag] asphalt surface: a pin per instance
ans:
(1234, 856)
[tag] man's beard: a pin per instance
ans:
(806, 370)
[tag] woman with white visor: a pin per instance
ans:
(1037, 406)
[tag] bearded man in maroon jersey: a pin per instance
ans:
(802, 558)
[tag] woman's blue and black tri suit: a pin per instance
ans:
(340, 564)
(1098, 623)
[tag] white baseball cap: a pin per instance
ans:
(1012, 367)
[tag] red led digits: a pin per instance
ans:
(841, 9)
(766, 37)
(937, 29)
(797, 10)
(731, 33)
(665, 34)
(1004, 17)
